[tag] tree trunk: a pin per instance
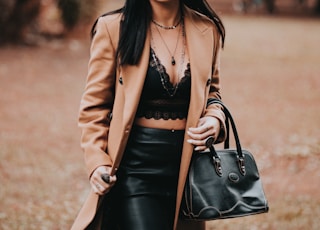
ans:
(318, 7)
(270, 5)
(19, 15)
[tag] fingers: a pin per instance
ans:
(101, 181)
(97, 188)
(201, 141)
(204, 135)
(201, 144)
(201, 132)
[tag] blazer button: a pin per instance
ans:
(208, 82)
(121, 81)
(109, 116)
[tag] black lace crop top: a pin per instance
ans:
(160, 99)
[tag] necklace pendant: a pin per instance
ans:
(173, 62)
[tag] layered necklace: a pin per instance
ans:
(166, 81)
(173, 61)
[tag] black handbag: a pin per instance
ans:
(223, 183)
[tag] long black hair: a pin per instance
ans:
(135, 22)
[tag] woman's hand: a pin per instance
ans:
(208, 127)
(100, 185)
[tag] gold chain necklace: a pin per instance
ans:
(166, 27)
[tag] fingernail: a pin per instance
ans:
(189, 141)
(196, 148)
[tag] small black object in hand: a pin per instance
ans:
(209, 141)
(106, 178)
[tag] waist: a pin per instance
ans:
(179, 124)
(150, 163)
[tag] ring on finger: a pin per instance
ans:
(209, 141)
(106, 178)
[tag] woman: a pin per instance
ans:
(153, 66)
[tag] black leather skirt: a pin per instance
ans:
(144, 195)
(151, 161)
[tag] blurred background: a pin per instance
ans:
(270, 81)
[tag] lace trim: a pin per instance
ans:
(157, 115)
(156, 64)
(164, 109)
(175, 107)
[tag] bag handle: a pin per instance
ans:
(229, 120)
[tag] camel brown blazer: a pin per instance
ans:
(112, 94)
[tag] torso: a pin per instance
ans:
(175, 72)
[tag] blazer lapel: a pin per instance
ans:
(133, 80)
(200, 47)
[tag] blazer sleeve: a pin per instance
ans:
(97, 100)
(215, 110)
